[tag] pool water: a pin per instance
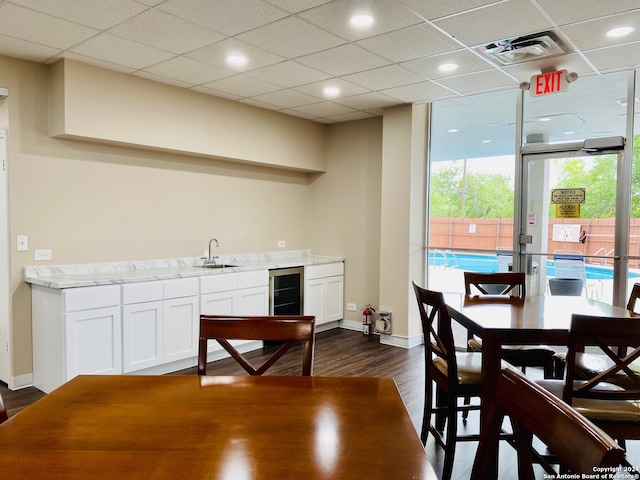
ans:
(489, 263)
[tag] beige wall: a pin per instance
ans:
(92, 202)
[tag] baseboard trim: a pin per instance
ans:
(21, 381)
(393, 340)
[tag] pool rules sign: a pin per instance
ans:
(568, 201)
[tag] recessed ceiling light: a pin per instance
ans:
(544, 119)
(236, 60)
(448, 67)
(619, 31)
(362, 20)
(486, 141)
(331, 91)
(452, 130)
(623, 101)
(569, 133)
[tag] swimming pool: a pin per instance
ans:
(489, 263)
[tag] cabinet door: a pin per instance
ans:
(314, 293)
(181, 325)
(93, 342)
(253, 301)
(221, 303)
(333, 299)
(142, 336)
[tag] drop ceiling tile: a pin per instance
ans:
(385, 77)
(100, 14)
(418, 92)
(434, 10)
(477, 82)
(120, 51)
(151, 3)
(227, 16)
(343, 60)
(93, 61)
(259, 104)
(15, 47)
(324, 109)
(215, 93)
(346, 88)
(162, 79)
(286, 98)
(428, 66)
(25, 24)
(409, 43)
(242, 86)
(291, 37)
(334, 17)
(348, 117)
(367, 101)
(188, 70)
(216, 54)
(288, 111)
(564, 13)
(295, 6)
(165, 31)
(288, 74)
(615, 58)
(584, 34)
(495, 22)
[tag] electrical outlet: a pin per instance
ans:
(40, 255)
(282, 243)
(351, 307)
(22, 243)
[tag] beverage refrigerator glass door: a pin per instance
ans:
(286, 291)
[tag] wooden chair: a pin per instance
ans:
(575, 441)
(289, 329)
(588, 365)
(610, 399)
(3, 411)
(455, 375)
(514, 284)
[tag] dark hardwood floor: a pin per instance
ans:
(342, 352)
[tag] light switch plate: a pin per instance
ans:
(40, 255)
(22, 243)
(282, 243)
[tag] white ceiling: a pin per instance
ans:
(297, 47)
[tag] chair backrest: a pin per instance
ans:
(3, 411)
(438, 335)
(500, 283)
(289, 329)
(577, 443)
(616, 338)
(633, 297)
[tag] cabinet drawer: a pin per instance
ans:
(222, 282)
(181, 287)
(257, 278)
(86, 298)
(323, 270)
(142, 292)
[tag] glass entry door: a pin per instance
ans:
(572, 220)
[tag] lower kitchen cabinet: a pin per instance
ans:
(181, 328)
(324, 292)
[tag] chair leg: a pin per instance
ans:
(465, 413)
(441, 414)
(428, 406)
(452, 436)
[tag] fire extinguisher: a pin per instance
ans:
(367, 320)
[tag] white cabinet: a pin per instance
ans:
(160, 322)
(75, 331)
(324, 292)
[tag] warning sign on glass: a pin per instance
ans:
(562, 196)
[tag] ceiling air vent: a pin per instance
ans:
(524, 49)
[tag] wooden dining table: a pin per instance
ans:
(213, 427)
(535, 320)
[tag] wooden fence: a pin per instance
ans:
(497, 233)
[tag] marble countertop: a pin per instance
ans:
(91, 274)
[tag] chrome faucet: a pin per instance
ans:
(210, 260)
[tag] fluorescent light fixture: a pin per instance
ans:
(619, 31)
(361, 20)
(236, 60)
(448, 67)
(569, 133)
(452, 130)
(331, 91)
(486, 141)
(544, 119)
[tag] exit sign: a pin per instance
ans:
(548, 83)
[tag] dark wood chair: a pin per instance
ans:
(577, 444)
(610, 399)
(3, 411)
(289, 329)
(588, 365)
(455, 375)
(514, 284)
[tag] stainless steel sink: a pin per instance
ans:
(215, 265)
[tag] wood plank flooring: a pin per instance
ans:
(341, 352)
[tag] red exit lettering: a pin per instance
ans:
(547, 83)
